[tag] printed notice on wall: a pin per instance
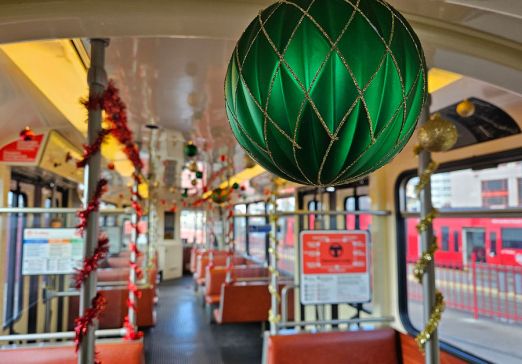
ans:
(335, 267)
(51, 251)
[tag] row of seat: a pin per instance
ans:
(384, 346)
(244, 297)
(114, 276)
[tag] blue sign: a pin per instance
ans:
(259, 228)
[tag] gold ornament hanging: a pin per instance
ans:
(193, 166)
(465, 108)
(437, 134)
(194, 182)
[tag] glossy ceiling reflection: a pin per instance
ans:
(175, 82)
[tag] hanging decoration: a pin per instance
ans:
(437, 134)
(190, 149)
(193, 166)
(27, 134)
(335, 110)
(465, 108)
(199, 174)
(434, 135)
(117, 126)
(220, 195)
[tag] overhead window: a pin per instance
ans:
(512, 238)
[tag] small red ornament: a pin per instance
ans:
(223, 157)
(27, 134)
(110, 166)
(242, 188)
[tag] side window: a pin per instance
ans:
(445, 238)
(456, 241)
(511, 238)
(493, 243)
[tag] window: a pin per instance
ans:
(285, 235)
(519, 185)
(359, 203)
(257, 239)
(240, 226)
(314, 205)
(511, 238)
(474, 256)
(456, 241)
(495, 193)
(493, 243)
(445, 238)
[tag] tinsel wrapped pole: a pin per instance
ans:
(97, 78)
(275, 299)
(426, 235)
(152, 201)
(131, 313)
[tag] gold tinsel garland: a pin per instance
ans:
(272, 250)
(426, 258)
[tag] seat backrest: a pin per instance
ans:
(354, 347)
(110, 352)
(214, 278)
(244, 302)
(113, 274)
(250, 272)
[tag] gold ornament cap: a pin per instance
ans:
(465, 108)
(437, 134)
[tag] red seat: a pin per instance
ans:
(216, 276)
(354, 347)
(110, 352)
(116, 309)
(246, 302)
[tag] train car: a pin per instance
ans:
(260, 181)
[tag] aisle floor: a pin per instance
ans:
(184, 335)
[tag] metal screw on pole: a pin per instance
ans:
(97, 79)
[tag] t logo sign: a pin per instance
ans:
(336, 250)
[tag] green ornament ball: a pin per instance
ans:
(190, 149)
(220, 195)
(325, 92)
(235, 186)
(199, 174)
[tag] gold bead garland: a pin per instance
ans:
(426, 258)
(273, 319)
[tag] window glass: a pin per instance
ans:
(362, 221)
(257, 239)
(512, 238)
(285, 235)
(240, 228)
(313, 206)
(445, 238)
(493, 188)
(456, 241)
(493, 243)
(478, 263)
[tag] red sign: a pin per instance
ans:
(335, 267)
(21, 151)
(334, 252)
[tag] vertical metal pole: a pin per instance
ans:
(131, 313)
(272, 251)
(428, 280)
(151, 231)
(97, 79)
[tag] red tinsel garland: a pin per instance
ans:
(89, 150)
(131, 334)
(91, 263)
(82, 323)
(93, 204)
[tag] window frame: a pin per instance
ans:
(483, 161)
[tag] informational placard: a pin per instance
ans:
(22, 152)
(51, 251)
(335, 267)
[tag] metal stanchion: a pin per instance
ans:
(426, 236)
(97, 79)
(132, 259)
(274, 317)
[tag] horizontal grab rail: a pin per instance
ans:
(337, 322)
(507, 212)
(306, 212)
(58, 210)
(61, 335)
